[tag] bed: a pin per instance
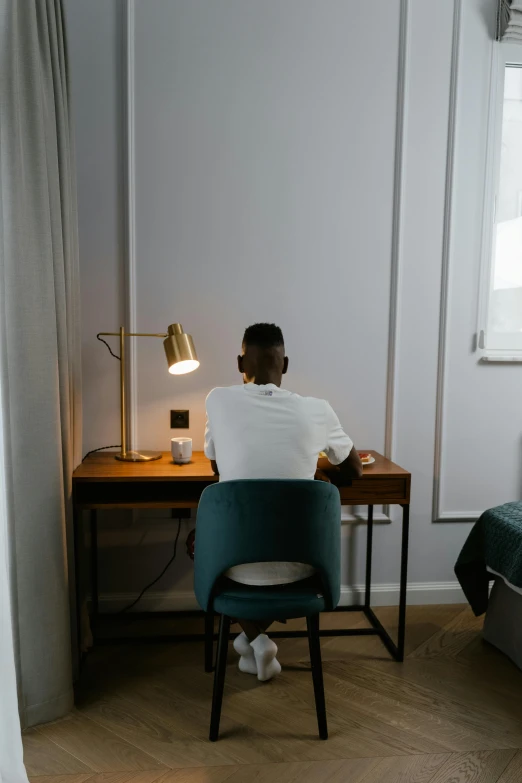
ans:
(493, 552)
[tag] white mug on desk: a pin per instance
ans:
(181, 449)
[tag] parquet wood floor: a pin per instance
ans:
(452, 713)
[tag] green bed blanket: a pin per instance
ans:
(495, 541)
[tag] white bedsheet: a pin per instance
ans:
(512, 587)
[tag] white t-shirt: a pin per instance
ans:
(264, 432)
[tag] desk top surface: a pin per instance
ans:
(104, 467)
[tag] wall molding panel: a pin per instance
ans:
(438, 514)
(396, 245)
(397, 226)
(458, 516)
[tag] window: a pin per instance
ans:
(501, 316)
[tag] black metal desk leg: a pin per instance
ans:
(94, 564)
(369, 547)
(404, 581)
(77, 530)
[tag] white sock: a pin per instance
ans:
(265, 651)
(247, 661)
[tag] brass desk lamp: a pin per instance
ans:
(181, 358)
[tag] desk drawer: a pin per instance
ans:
(186, 494)
(138, 494)
(376, 491)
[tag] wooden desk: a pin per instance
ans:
(101, 482)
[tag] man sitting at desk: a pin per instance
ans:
(258, 430)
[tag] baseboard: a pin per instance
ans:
(419, 593)
(382, 595)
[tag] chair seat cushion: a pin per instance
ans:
(277, 602)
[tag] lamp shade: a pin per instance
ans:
(179, 350)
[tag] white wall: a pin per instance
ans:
(95, 34)
(481, 457)
(250, 202)
(271, 184)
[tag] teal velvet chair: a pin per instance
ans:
(263, 520)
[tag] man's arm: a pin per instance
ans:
(210, 450)
(342, 463)
(352, 467)
(343, 474)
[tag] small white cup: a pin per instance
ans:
(181, 449)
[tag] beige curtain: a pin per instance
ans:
(509, 20)
(39, 334)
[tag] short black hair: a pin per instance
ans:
(263, 336)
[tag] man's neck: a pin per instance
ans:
(264, 380)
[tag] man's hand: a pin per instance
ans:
(352, 467)
(343, 474)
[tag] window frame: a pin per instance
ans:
(500, 348)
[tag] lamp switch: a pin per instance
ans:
(179, 420)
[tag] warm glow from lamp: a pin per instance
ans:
(179, 350)
(181, 368)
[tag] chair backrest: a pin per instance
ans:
(263, 520)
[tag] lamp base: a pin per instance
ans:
(138, 456)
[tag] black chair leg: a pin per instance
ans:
(209, 641)
(317, 673)
(219, 677)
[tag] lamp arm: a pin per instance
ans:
(132, 334)
(179, 348)
(123, 401)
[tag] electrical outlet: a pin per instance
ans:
(179, 420)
